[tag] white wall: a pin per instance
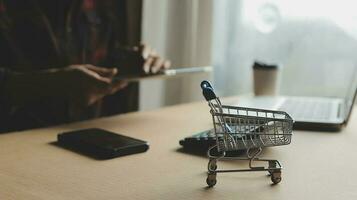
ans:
(181, 31)
(153, 33)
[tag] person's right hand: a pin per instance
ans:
(86, 84)
(80, 84)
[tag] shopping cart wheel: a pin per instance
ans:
(212, 165)
(211, 179)
(272, 165)
(276, 177)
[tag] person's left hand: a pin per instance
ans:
(140, 60)
(153, 62)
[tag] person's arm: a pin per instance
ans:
(81, 84)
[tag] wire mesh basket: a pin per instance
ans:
(238, 128)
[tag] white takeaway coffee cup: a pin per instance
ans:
(266, 79)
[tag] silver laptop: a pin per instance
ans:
(311, 113)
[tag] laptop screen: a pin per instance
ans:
(351, 95)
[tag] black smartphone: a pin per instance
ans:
(101, 144)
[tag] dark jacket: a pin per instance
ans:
(41, 34)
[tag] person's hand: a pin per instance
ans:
(80, 84)
(152, 62)
(87, 83)
(140, 60)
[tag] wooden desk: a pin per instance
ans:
(317, 165)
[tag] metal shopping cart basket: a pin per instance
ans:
(240, 128)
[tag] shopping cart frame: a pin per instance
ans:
(253, 149)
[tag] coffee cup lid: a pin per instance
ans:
(261, 65)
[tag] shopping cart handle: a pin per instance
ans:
(207, 91)
(206, 84)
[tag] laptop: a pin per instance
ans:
(310, 113)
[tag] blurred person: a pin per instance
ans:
(58, 59)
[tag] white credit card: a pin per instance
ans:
(167, 73)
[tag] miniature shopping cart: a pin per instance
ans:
(240, 128)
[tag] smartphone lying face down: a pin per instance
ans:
(101, 144)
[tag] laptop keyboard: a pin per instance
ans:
(307, 108)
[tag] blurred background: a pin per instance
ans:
(314, 43)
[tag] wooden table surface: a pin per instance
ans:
(317, 165)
